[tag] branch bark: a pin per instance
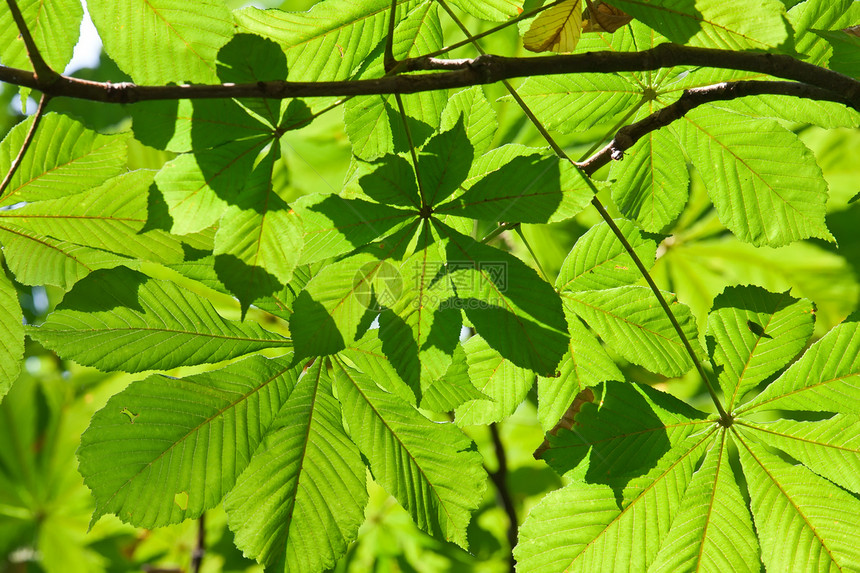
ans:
(485, 69)
(43, 71)
(28, 139)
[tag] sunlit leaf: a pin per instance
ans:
(11, 334)
(556, 29)
(120, 319)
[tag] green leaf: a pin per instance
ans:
(327, 42)
(598, 259)
(444, 163)
(120, 319)
(421, 330)
(160, 41)
(585, 364)
(430, 468)
(11, 334)
(492, 10)
(334, 225)
(198, 187)
(65, 158)
(259, 241)
(830, 448)
(503, 384)
(392, 182)
(809, 17)
(366, 355)
(652, 182)
(752, 334)
(713, 530)
(452, 389)
(790, 502)
(187, 125)
(479, 118)
(191, 437)
(577, 102)
(764, 198)
(581, 527)
(328, 314)
(521, 185)
(511, 307)
(845, 59)
(300, 501)
(35, 259)
(55, 27)
(622, 436)
(826, 378)
(110, 217)
(631, 321)
(714, 23)
(248, 59)
(822, 113)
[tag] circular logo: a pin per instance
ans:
(377, 285)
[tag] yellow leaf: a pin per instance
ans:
(557, 29)
(601, 17)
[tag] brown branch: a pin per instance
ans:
(485, 69)
(200, 546)
(42, 70)
(28, 139)
(627, 136)
(500, 481)
(389, 62)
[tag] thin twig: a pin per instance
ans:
(28, 139)
(500, 480)
(626, 244)
(485, 69)
(389, 62)
(200, 547)
(519, 230)
(42, 70)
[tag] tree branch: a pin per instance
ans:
(42, 71)
(485, 69)
(28, 139)
(627, 136)
(500, 481)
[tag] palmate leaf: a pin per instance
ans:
(763, 197)
(631, 321)
(120, 319)
(66, 158)
(160, 41)
(167, 449)
(581, 527)
(452, 389)
(478, 117)
(520, 184)
(830, 448)
(516, 312)
(556, 29)
(259, 240)
(752, 334)
(301, 499)
(334, 226)
(431, 469)
(714, 23)
(503, 385)
(826, 378)
(421, 329)
(110, 217)
(54, 25)
(623, 436)
(713, 530)
(11, 334)
(328, 315)
(791, 502)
